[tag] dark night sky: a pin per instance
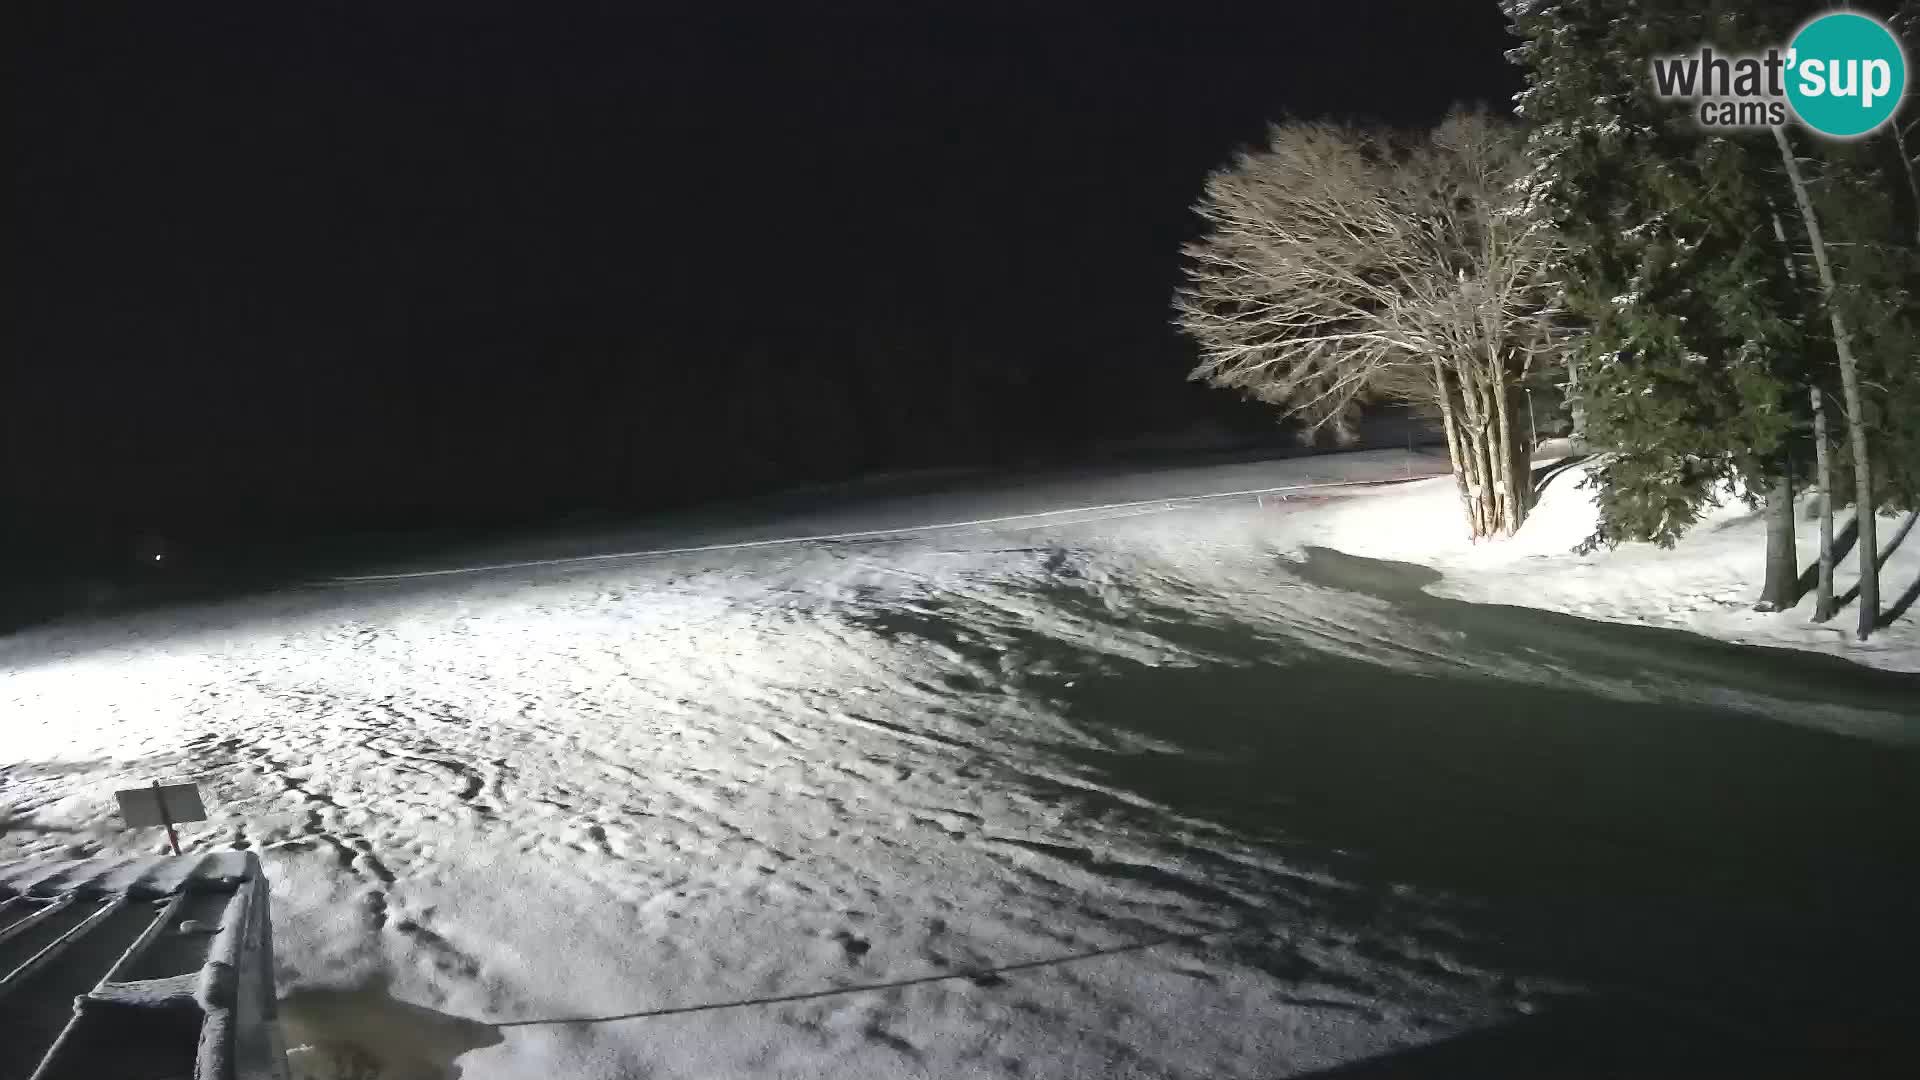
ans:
(326, 265)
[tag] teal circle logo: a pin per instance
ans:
(1846, 74)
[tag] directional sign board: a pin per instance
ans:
(165, 805)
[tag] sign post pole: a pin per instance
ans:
(160, 799)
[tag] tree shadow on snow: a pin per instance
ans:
(1843, 544)
(1901, 604)
(1650, 656)
(1748, 882)
(1886, 552)
(1545, 474)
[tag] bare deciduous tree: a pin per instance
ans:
(1342, 266)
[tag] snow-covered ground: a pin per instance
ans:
(1155, 788)
(1706, 584)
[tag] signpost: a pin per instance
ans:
(163, 806)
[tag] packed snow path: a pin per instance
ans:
(1172, 794)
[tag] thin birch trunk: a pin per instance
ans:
(1482, 484)
(1823, 608)
(1822, 466)
(1511, 509)
(1576, 406)
(1476, 482)
(1863, 507)
(1476, 434)
(1456, 453)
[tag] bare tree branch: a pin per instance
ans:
(1342, 266)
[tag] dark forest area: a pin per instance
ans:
(350, 269)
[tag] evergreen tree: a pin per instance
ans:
(1745, 301)
(1861, 201)
(1690, 352)
(1860, 194)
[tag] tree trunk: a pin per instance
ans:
(1869, 540)
(1575, 406)
(1521, 469)
(1480, 492)
(1470, 464)
(1488, 446)
(1456, 448)
(1822, 468)
(1491, 496)
(1823, 475)
(1906, 166)
(1505, 444)
(1782, 588)
(1474, 433)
